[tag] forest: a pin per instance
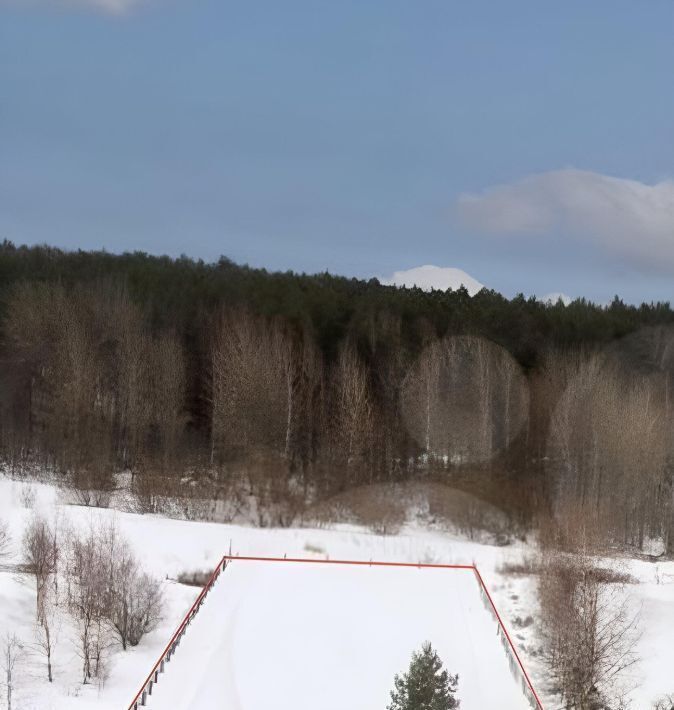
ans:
(214, 381)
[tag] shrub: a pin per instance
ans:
(196, 578)
(5, 539)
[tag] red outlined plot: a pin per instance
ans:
(514, 658)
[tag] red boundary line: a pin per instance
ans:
(359, 563)
(179, 630)
(507, 635)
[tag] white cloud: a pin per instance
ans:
(111, 7)
(627, 219)
(430, 277)
(114, 7)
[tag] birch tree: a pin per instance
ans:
(249, 390)
(41, 552)
(464, 400)
(12, 649)
(167, 399)
(610, 447)
(351, 423)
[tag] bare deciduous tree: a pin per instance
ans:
(133, 367)
(666, 702)
(87, 591)
(265, 376)
(100, 390)
(351, 418)
(249, 391)
(168, 395)
(46, 628)
(12, 650)
(465, 399)
(301, 368)
(41, 551)
(133, 603)
(108, 595)
(610, 449)
(589, 632)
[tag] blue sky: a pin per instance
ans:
(529, 143)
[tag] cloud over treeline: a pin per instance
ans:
(626, 219)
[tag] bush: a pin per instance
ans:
(196, 578)
(381, 508)
(5, 539)
(527, 566)
(135, 601)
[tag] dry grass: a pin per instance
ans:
(525, 567)
(533, 565)
(196, 578)
(314, 549)
(377, 507)
(385, 508)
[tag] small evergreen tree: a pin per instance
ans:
(426, 685)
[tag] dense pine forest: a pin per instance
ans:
(214, 380)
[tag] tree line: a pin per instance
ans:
(291, 388)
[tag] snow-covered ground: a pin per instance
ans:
(339, 635)
(306, 636)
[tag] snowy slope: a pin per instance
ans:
(304, 636)
(168, 547)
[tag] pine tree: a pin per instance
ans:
(426, 685)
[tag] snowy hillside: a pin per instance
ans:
(338, 635)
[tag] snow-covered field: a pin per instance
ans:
(333, 637)
(309, 636)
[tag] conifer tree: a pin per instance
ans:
(426, 685)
